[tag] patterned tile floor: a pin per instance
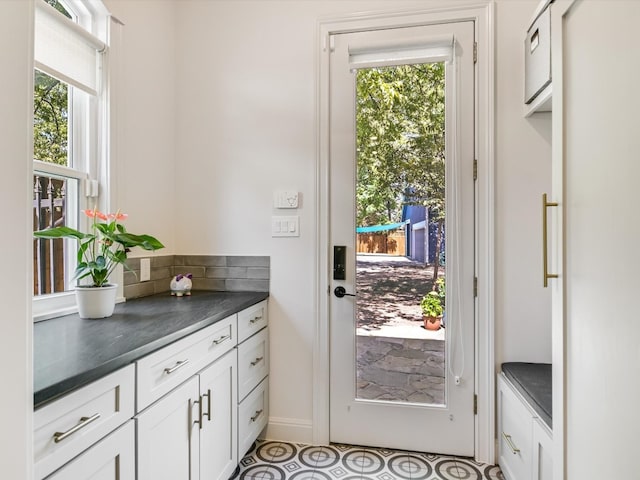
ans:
(269, 460)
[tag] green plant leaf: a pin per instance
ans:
(130, 240)
(60, 232)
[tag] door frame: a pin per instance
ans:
(482, 14)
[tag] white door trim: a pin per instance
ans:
(482, 14)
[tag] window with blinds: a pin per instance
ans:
(68, 110)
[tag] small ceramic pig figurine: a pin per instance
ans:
(181, 285)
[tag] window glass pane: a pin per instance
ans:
(50, 120)
(61, 8)
(54, 201)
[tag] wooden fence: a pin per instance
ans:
(387, 243)
(48, 255)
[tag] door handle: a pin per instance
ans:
(545, 269)
(341, 292)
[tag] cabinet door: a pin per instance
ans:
(542, 448)
(113, 458)
(168, 438)
(218, 437)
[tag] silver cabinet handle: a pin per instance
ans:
(507, 438)
(208, 395)
(221, 339)
(257, 415)
(255, 319)
(178, 365)
(257, 361)
(84, 421)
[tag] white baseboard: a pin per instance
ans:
(293, 430)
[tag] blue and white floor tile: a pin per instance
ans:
(269, 460)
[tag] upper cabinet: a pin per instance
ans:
(537, 63)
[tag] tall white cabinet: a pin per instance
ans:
(596, 238)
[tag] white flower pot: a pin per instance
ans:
(96, 302)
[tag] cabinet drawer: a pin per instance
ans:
(253, 414)
(253, 362)
(251, 320)
(113, 458)
(162, 371)
(72, 424)
(514, 435)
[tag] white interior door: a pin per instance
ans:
(442, 423)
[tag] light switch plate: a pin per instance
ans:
(285, 199)
(288, 226)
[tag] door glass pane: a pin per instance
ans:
(400, 195)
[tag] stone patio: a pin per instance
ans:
(397, 359)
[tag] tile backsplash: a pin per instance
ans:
(210, 272)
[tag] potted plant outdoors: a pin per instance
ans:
(99, 252)
(432, 309)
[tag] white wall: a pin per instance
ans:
(16, 151)
(523, 174)
(218, 110)
(246, 126)
(145, 122)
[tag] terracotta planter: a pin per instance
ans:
(96, 302)
(432, 323)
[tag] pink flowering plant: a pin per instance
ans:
(100, 251)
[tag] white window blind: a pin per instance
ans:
(404, 52)
(65, 50)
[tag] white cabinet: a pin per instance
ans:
(542, 448)
(218, 432)
(192, 429)
(253, 372)
(72, 424)
(190, 432)
(524, 441)
(596, 67)
(186, 425)
(167, 439)
(112, 458)
(537, 58)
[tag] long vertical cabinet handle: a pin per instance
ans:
(545, 251)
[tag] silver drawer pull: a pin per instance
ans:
(255, 319)
(84, 421)
(507, 438)
(221, 339)
(178, 365)
(257, 415)
(257, 361)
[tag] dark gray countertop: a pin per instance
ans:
(70, 352)
(533, 381)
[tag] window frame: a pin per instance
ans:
(87, 156)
